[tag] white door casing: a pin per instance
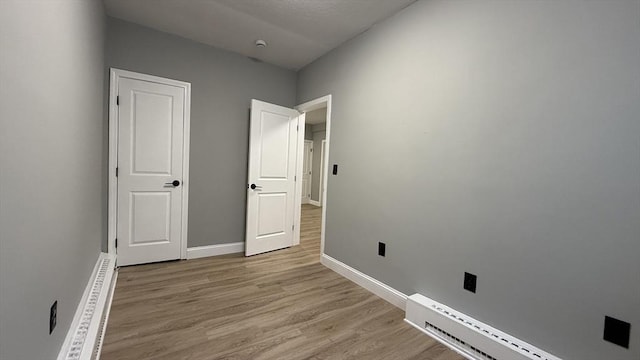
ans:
(322, 171)
(322, 102)
(151, 135)
(307, 165)
(271, 194)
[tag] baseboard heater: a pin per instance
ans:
(84, 339)
(466, 335)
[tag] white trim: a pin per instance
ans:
(315, 104)
(381, 289)
(323, 170)
(214, 250)
(112, 290)
(298, 186)
(186, 151)
(113, 163)
(115, 75)
(461, 325)
(90, 311)
(315, 203)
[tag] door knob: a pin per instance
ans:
(174, 183)
(255, 187)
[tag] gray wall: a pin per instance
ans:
(51, 101)
(319, 134)
(222, 86)
(499, 138)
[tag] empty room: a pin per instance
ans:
(311, 179)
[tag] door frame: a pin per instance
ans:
(114, 77)
(321, 102)
(310, 169)
(323, 144)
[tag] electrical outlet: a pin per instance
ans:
(382, 247)
(53, 316)
(617, 331)
(470, 282)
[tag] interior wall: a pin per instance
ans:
(222, 86)
(51, 211)
(319, 134)
(498, 138)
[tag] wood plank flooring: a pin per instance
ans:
(280, 305)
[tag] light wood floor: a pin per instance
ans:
(280, 305)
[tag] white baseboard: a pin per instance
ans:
(85, 332)
(315, 203)
(98, 351)
(383, 290)
(214, 250)
(450, 326)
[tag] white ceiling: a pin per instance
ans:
(297, 31)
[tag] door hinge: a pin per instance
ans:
(295, 178)
(310, 150)
(297, 127)
(293, 227)
(117, 100)
(116, 172)
(116, 243)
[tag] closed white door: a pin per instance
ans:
(306, 171)
(151, 119)
(271, 183)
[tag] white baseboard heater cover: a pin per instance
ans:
(84, 338)
(467, 335)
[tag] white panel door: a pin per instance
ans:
(271, 188)
(150, 167)
(306, 171)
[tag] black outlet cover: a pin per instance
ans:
(53, 316)
(617, 331)
(335, 169)
(470, 282)
(381, 248)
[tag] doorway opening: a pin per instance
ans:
(275, 174)
(317, 130)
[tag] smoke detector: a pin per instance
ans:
(261, 44)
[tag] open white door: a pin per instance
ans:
(151, 164)
(271, 196)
